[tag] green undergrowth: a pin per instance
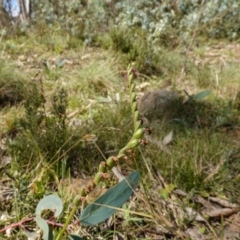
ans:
(132, 46)
(167, 64)
(41, 136)
(44, 134)
(71, 111)
(199, 158)
(104, 136)
(13, 84)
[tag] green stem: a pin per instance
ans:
(69, 219)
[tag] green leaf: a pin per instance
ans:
(52, 202)
(47, 232)
(60, 63)
(107, 204)
(74, 237)
(47, 65)
(202, 95)
(101, 99)
(165, 192)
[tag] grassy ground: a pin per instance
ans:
(65, 103)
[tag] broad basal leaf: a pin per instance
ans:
(74, 237)
(202, 95)
(106, 205)
(52, 202)
(42, 224)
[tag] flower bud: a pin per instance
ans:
(139, 133)
(122, 151)
(134, 106)
(77, 200)
(136, 115)
(102, 167)
(110, 163)
(129, 71)
(133, 97)
(97, 178)
(82, 191)
(130, 78)
(133, 143)
(137, 125)
(132, 88)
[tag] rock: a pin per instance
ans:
(158, 104)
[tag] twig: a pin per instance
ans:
(20, 223)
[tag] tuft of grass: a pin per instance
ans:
(228, 80)
(99, 78)
(197, 156)
(104, 136)
(195, 160)
(13, 84)
(131, 46)
(196, 170)
(42, 136)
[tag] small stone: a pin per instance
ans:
(158, 104)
